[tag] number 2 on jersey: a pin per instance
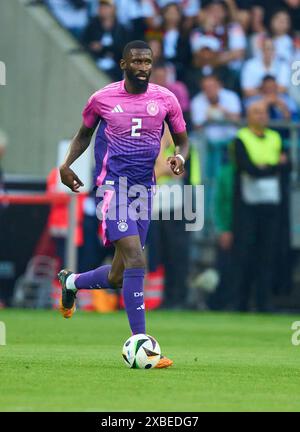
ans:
(136, 124)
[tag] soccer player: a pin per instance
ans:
(131, 113)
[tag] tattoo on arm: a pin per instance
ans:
(79, 144)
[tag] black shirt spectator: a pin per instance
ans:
(205, 62)
(271, 6)
(105, 38)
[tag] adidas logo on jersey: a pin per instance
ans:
(117, 108)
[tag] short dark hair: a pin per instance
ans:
(268, 78)
(136, 44)
(211, 76)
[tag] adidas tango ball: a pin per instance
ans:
(141, 351)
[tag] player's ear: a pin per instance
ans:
(123, 64)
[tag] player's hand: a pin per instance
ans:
(70, 179)
(176, 165)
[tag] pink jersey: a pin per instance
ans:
(128, 138)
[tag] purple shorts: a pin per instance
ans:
(123, 216)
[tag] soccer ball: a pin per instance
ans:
(141, 351)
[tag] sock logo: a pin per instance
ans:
(122, 225)
(138, 294)
(141, 307)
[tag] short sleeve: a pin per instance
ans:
(90, 114)
(174, 117)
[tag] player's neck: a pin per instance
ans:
(130, 88)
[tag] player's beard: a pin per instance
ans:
(137, 83)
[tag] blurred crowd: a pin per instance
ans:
(217, 55)
(225, 60)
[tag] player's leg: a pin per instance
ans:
(107, 276)
(133, 285)
(100, 277)
(133, 281)
(115, 276)
(143, 227)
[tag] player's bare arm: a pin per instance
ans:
(177, 161)
(78, 145)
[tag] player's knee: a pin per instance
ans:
(115, 280)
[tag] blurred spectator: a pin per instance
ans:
(157, 50)
(269, 7)
(161, 76)
(71, 14)
(205, 61)
(257, 22)
(215, 103)
(293, 8)
(190, 8)
(105, 38)
(136, 16)
(280, 30)
(263, 10)
(171, 25)
(280, 106)
(266, 64)
(215, 20)
(240, 11)
(139, 15)
(223, 297)
(294, 88)
(259, 163)
(174, 40)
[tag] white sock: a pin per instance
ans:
(70, 282)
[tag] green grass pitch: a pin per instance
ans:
(223, 362)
